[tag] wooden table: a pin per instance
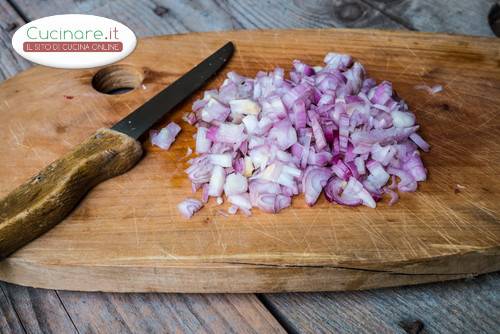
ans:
(471, 305)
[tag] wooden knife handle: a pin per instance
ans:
(48, 197)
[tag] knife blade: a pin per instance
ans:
(135, 124)
(48, 197)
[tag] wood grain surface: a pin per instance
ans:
(10, 62)
(467, 306)
(127, 235)
(47, 198)
(48, 311)
(9, 322)
(38, 310)
(454, 16)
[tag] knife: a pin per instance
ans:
(48, 197)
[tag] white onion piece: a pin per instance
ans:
(402, 119)
(221, 159)
(235, 184)
(378, 176)
(217, 179)
(248, 168)
(383, 154)
(356, 190)
(189, 206)
(360, 165)
(273, 108)
(315, 178)
(214, 110)
(272, 172)
(417, 139)
(227, 133)
(265, 124)
(251, 123)
(255, 141)
(203, 144)
(319, 136)
(338, 61)
(244, 106)
(260, 156)
(200, 170)
(431, 90)
(262, 186)
(166, 136)
(242, 201)
(284, 134)
(272, 203)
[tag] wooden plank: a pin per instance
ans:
(168, 313)
(161, 17)
(39, 310)
(167, 17)
(139, 242)
(10, 62)
(467, 306)
(453, 16)
(47, 311)
(9, 321)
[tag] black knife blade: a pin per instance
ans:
(144, 117)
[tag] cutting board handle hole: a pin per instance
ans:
(117, 79)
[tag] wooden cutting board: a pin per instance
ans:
(127, 235)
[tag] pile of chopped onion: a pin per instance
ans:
(262, 140)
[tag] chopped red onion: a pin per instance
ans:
(214, 110)
(232, 210)
(402, 119)
(315, 178)
(263, 140)
(334, 189)
(227, 133)
(319, 136)
(355, 190)
(235, 184)
(242, 201)
(394, 196)
(251, 123)
(221, 159)
(360, 165)
(203, 144)
(217, 179)
(431, 90)
(244, 106)
(415, 137)
(189, 206)
(166, 136)
(284, 134)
